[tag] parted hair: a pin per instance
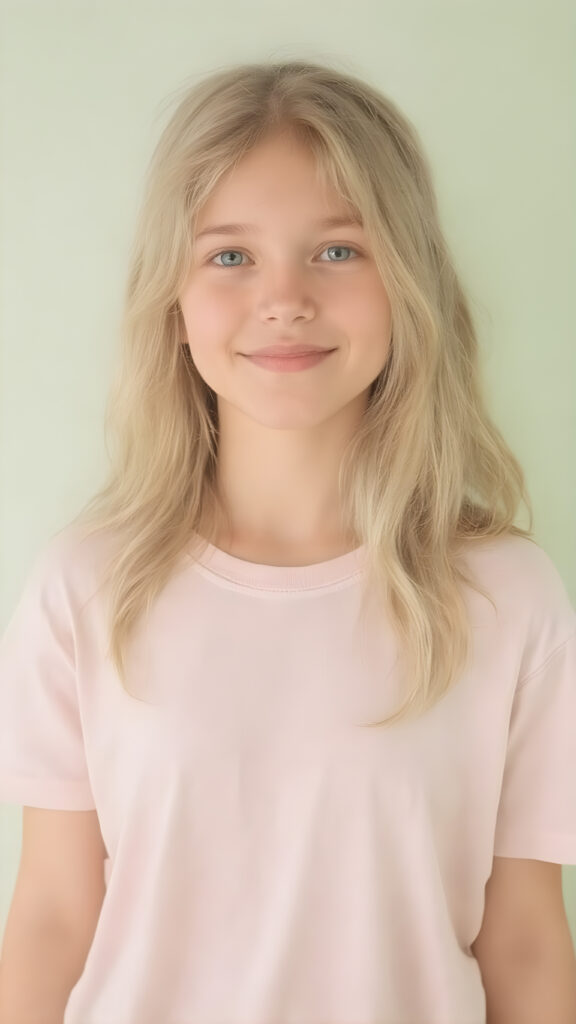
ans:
(427, 471)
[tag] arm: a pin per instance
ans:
(524, 947)
(53, 915)
(532, 992)
(38, 970)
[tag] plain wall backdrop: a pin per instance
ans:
(85, 92)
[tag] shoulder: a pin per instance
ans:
(68, 566)
(515, 567)
(527, 588)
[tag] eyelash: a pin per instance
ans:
(334, 245)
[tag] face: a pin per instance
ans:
(284, 277)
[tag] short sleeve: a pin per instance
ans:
(42, 754)
(537, 809)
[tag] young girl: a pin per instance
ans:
(312, 689)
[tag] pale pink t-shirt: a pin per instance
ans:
(270, 861)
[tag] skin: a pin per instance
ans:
(282, 435)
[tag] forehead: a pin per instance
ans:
(324, 224)
(278, 174)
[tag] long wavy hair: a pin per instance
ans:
(427, 469)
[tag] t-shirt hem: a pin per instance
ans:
(51, 794)
(556, 847)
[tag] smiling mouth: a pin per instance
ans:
(290, 363)
(288, 353)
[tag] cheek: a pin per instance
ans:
(367, 317)
(206, 317)
(366, 296)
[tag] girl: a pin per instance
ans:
(310, 686)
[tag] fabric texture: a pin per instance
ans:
(270, 860)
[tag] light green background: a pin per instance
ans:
(84, 89)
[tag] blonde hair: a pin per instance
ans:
(426, 471)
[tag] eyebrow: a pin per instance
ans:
(241, 229)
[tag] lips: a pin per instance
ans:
(291, 364)
(286, 351)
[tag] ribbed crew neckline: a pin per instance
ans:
(281, 577)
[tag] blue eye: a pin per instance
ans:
(226, 252)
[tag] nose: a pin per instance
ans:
(286, 295)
